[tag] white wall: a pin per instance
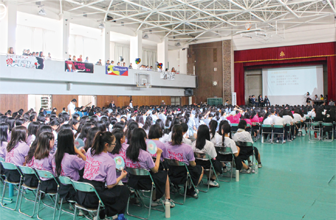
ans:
(174, 59)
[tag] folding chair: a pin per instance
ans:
(10, 167)
(234, 128)
(266, 129)
(2, 177)
(175, 163)
(27, 171)
(225, 151)
(255, 128)
(142, 172)
(87, 188)
(247, 145)
(299, 128)
(315, 128)
(279, 130)
(289, 134)
(65, 181)
(248, 128)
(48, 175)
(325, 126)
(202, 157)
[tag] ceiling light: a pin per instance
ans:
(42, 12)
(247, 36)
(261, 34)
(84, 14)
(122, 23)
(150, 31)
(178, 44)
(101, 26)
(145, 36)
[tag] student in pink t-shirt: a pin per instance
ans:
(100, 171)
(138, 157)
(182, 152)
(69, 162)
(43, 160)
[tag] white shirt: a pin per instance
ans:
(208, 149)
(217, 140)
(242, 136)
(71, 108)
(186, 141)
(297, 117)
(288, 119)
(278, 121)
(228, 142)
(131, 105)
(268, 121)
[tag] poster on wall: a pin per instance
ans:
(29, 62)
(80, 67)
(167, 75)
(117, 70)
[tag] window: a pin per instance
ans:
(175, 100)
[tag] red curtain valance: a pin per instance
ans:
(281, 57)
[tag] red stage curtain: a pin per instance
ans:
(282, 57)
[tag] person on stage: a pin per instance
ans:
(308, 99)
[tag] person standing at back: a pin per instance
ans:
(72, 107)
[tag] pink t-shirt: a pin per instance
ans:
(255, 119)
(100, 168)
(17, 154)
(183, 153)
(160, 145)
(145, 161)
(234, 119)
(3, 150)
(45, 164)
(248, 121)
(71, 165)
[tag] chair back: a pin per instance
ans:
(46, 174)
(224, 150)
(201, 156)
(316, 123)
(27, 170)
(138, 171)
(244, 144)
(328, 124)
(8, 166)
(173, 162)
(65, 180)
(266, 126)
(86, 188)
(278, 126)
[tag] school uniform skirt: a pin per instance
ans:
(114, 199)
(48, 186)
(145, 183)
(206, 165)
(178, 175)
(246, 152)
(67, 192)
(12, 175)
(30, 180)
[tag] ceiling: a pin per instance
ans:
(192, 20)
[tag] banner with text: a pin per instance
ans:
(80, 67)
(117, 70)
(29, 62)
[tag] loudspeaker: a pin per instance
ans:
(188, 92)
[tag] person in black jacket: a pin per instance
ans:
(267, 101)
(261, 101)
(112, 105)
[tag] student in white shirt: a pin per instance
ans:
(72, 107)
(215, 138)
(278, 120)
(202, 145)
(228, 142)
(243, 136)
(185, 138)
(289, 121)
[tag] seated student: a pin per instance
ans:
(17, 150)
(43, 159)
(182, 152)
(100, 170)
(243, 136)
(90, 137)
(278, 120)
(3, 140)
(202, 145)
(228, 142)
(215, 137)
(185, 130)
(138, 157)
(288, 121)
(69, 162)
(267, 101)
(155, 133)
(32, 130)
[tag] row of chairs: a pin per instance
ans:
(22, 188)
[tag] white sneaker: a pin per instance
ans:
(172, 203)
(80, 213)
(157, 202)
(259, 165)
(213, 183)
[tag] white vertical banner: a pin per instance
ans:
(234, 99)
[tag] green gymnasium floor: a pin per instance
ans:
(297, 182)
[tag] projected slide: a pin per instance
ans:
(289, 85)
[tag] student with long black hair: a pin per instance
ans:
(138, 157)
(43, 159)
(69, 162)
(228, 142)
(90, 137)
(155, 133)
(32, 130)
(202, 145)
(100, 171)
(17, 150)
(3, 139)
(182, 152)
(215, 137)
(120, 147)
(130, 128)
